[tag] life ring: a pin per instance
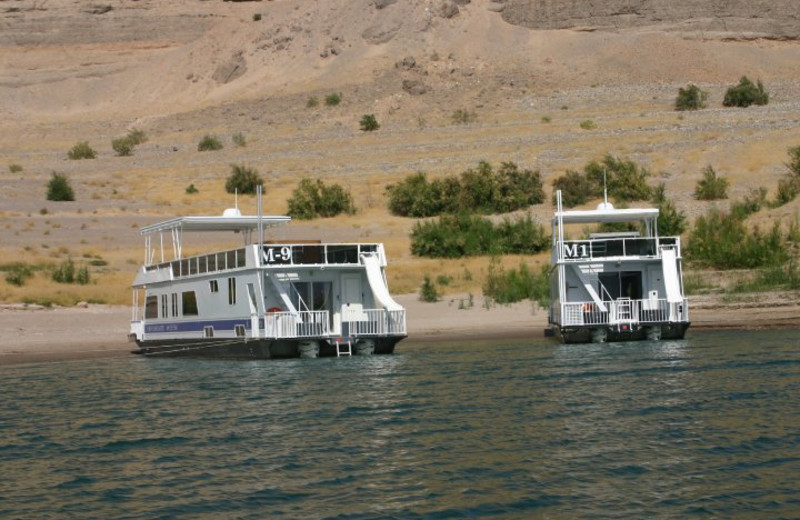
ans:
(274, 309)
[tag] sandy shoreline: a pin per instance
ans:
(33, 335)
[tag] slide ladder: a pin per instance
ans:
(344, 348)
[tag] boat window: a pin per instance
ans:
(202, 265)
(240, 331)
(164, 306)
(231, 259)
(232, 291)
(213, 285)
(151, 307)
(189, 300)
(208, 332)
(240, 258)
(174, 304)
(221, 261)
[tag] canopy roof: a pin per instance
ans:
(223, 223)
(606, 215)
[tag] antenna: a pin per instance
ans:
(605, 187)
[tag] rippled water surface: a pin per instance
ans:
(708, 427)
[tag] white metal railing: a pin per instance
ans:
(595, 249)
(622, 311)
(305, 324)
(378, 322)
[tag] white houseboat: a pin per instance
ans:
(261, 299)
(613, 286)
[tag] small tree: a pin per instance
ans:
(368, 123)
(242, 180)
(711, 187)
(427, 291)
(65, 273)
(59, 189)
(671, 222)
(691, 98)
(209, 143)
(745, 94)
(312, 199)
(82, 150)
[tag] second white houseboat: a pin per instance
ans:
(612, 286)
(262, 299)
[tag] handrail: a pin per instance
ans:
(644, 311)
(593, 248)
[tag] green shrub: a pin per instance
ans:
(514, 285)
(624, 179)
(65, 272)
(82, 276)
(242, 180)
(137, 136)
(59, 189)
(546, 119)
(257, 17)
(82, 150)
(333, 99)
(463, 116)
(588, 124)
(752, 203)
(575, 188)
(481, 189)
(745, 94)
(123, 146)
(239, 140)
(209, 143)
(722, 241)
(191, 190)
(312, 102)
(691, 98)
(14, 168)
(427, 291)
(312, 199)
(368, 123)
(671, 222)
(18, 273)
(789, 184)
(456, 236)
(711, 187)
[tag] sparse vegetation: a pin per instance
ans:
(123, 146)
(14, 168)
(242, 180)
(752, 203)
(711, 187)
(671, 221)
(257, 17)
(691, 98)
(333, 99)
(59, 188)
(514, 285)
(239, 140)
(368, 123)
(17, 273)
(427, 291)
(588, 124)
(483, 190)
(456, 236)
(209, 143)
(313, 199)
(746, 93)
(463, 116)
(81, 150)
(789, 184)
(312, 102)
(191, 190)
(625, 180)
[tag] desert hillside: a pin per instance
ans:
(530, 72)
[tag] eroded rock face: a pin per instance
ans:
(741, 19)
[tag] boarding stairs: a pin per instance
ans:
(344, 348)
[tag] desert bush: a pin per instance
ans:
(242, 180)
(209, 143)
(312, 199)
(123, 146)
(17, 273)
(514, 285)
(722, 241)
(59, 188)
(14, 168)
(333, 99)
(239, 139)
(463, 116)
(789, 184)
(65, 272)
(137, 136)
(711, 187)
(588, 124)
(752, 203)
(368, 123)
(575, 188)
(427, 291)
(691, 98)
(81, 150)
(82, 276)
(745, 94)
(191, 190)
(463, 234)
(312, 102)
(480, 189)
(671, 221)
(257, 17)
(624, 179)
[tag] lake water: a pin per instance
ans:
(708, 427)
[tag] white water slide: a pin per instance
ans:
(377, 284)
(669, 264)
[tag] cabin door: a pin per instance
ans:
(625, 284)
(352, 299)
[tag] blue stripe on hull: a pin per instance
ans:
(198, 325)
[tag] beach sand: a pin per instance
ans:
(31, 334)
